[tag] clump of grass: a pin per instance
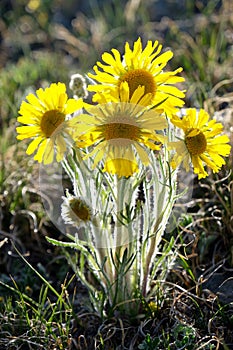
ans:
(52, 316)
(29, 324)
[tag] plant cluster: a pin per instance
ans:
(122, 154)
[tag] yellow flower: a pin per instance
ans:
(120, 133)
(202, 142)
(46, 119)
(139, 68)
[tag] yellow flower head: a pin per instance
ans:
(202, 142)
(46, 122)
(120, 133)
(139, 68)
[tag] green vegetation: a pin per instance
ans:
(42, 303)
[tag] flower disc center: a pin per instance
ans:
(196, 144)
(81, 210)
(121, 131)
(139, 77)
(50, 121)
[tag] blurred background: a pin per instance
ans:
(44, 41)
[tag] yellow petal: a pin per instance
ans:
(27, 109)
(142, 154)
(172, 90)
(49, 152)
(222, 149)
(73, 105)
(209, 162)
(203, 118)
(121, 167)
(137, 94)
(40, 153)
(163, 58)
(198, 167)
(33, 145)
(27, 131)
(60, 147)
(124, 92)
(29, 119)
(35, 102)
(222, 139)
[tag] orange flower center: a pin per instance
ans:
(137, 77)
(50, 121)
(121, 131)
(195, 144)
